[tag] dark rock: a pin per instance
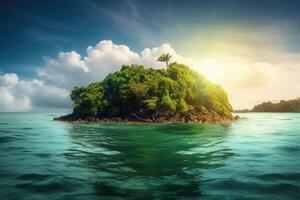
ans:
(116, 119)
(199, 117)
(237, 117)
(135, 117)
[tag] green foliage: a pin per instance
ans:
(149, 92)
(181, 106)
(150, 104)
(283, 106)
(88, 101)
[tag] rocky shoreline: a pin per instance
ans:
(210, 118)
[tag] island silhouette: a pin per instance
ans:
(292, 105)
(138, 94)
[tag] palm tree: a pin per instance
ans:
(166, 57)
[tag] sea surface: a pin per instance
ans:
(256, 158)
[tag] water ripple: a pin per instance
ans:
(250, 159)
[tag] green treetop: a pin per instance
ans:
(150, 93)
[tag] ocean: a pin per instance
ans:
(255, 158)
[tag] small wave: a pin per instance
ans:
(6, 139)
(42, 155)
(33, 177)
(42, 188)
(289, 149)
(256, 187)
(275, 176)
(27, 128)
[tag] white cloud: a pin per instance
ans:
(9, 102)
(20, 95)
(256, 76)
(68, 69)
(59, 75)
(9, 80)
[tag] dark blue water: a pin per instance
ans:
(257, 158)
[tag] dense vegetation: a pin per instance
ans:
(283, 106)
(146, 93)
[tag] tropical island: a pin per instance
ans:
(292, 105)
(139, 94)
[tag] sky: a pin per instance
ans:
(251, 48)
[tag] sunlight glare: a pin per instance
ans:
(211, 69)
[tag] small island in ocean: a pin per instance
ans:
(292, 106)
(138, 99)
(139, 94)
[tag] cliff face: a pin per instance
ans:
(283, 106)
(135, 93)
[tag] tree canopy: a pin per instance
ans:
(292, 105)
(150, 93)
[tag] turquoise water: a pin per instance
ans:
(257, 158)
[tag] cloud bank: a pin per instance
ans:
(20, 95)
(53, 82)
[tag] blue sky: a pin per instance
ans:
(247, 38)
(31, 30)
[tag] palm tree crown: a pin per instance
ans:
(166, 57)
